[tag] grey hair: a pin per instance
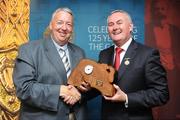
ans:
(121, 11)
(65, 9)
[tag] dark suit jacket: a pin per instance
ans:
(143, 80)
(38, 74)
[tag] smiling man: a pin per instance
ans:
(41, 71)
(140, 81)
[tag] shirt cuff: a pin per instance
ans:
(126, 102)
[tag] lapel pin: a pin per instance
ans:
(126, 62)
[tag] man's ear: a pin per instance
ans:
(131, 27)
(50, 25)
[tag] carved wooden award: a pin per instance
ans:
(99, 76)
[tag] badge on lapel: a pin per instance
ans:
(126, 61)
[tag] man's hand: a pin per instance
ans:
(119, 96)
(84, 87)
(69, 94)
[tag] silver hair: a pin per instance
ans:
(121, 11)
(65, 9)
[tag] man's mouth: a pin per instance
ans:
(62, 34)
(117, 32)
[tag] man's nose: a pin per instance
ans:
(64, 27)
(115, 27)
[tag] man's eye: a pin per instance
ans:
(119, 23)
(59, 23)
(110, 24)
(69, 24)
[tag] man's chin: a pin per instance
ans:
(116, 38)
(62, 38)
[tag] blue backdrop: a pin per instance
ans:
(90, 26)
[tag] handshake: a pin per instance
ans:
(88, 74)
(69, 94)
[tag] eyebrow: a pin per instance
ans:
(120, 20)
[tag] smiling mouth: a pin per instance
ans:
(117, 32)
(62, 34)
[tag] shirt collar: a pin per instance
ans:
(126, 45)
(58, 47)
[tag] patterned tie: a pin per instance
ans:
(65, 61)
(117, 58)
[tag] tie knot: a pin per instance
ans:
(62, 52)
(119, 50)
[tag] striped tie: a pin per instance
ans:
(65, 61)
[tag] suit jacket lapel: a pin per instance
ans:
(110, 56)
(72, 56)
(130, 53)
(54, 58)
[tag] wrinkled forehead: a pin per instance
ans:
(117, 16)
(120, 14)
(62, 16)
